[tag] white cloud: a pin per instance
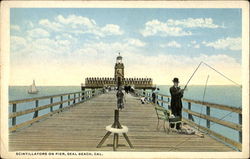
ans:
(193, 23)
(193, 42)
(38, 32)
(135, 42)
(110, 29)
(51, 25)
(226, 43)
(197, 46)
(17, 43)
(80, 25)
(156, 27)
(176, 27)
(15, 27)
(171, 44)
(47, 57)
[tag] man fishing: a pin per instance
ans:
(176, 103)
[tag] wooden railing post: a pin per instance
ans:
(169, 104)
(240, 132)
(79, 99)
(61, 105)
(74, 101)
(36, 112)
(68, 99)
(208, 113)
(83, 93)
(51, 101)
(14, 118)
(93, 92)
(162, 101)
(189, 108)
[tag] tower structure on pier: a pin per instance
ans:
(100, 82)
(119, 68)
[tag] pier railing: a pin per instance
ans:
(162, 100)
(53, 101)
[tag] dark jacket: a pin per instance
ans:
(176, 96)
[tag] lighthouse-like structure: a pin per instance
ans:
(119, 68)
(100, 82)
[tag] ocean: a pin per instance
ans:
(227, 95)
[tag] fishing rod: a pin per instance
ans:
(192, 75)
(212, 69)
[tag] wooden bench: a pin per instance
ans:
(164, 115)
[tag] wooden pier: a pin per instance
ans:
(81, 126)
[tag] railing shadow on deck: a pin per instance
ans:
(162, 99)
(72, 99)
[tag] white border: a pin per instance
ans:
(127, 4)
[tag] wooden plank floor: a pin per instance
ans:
(81, 127)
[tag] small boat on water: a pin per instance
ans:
(33, 89)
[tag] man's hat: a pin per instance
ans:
(176, 80)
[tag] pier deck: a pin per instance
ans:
(81, 127)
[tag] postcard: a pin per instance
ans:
(124, 79)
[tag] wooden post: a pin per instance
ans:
(240, 132)
(51, 101)
(83, 89)
(14, 118)
(79, 99)
(208, 113)
(61, 105)
(162, 101)
(36, 112)
(68, 99)
(189, 108)
(169, 104)
(74, 101)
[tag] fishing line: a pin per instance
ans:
(203, 99)
(205, 93)
(222, 74)
(212, 69)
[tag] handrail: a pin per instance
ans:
(43, 97)
(80, 96)
(238, 127)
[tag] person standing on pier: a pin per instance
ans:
(176, 103)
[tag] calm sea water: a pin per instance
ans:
(227, 95)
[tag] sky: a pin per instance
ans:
(63, 46)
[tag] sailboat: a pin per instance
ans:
(33, 89)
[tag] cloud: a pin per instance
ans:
(193, 23)
(38, 32)
(111, 29)
(197, 46)
(135, 42)
(17, 43)
(15, 27)
(156, 27)
(176, 27)
(226, 43)
(171, 44)
(51, 25)
(80, 25)
(193, 42)
(51, 59)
